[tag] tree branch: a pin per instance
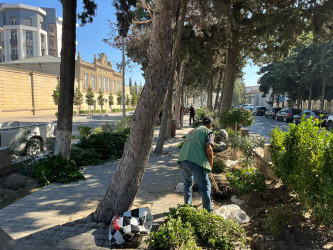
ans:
(141, 22)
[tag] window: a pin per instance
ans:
(100, 82)
(118, 86)
(41, 25)
(30, 51)
(104, 83)
(108, 84)
(52, 28)
(13, 20)
(28, 22)
(93, 82)
(86, 80)
(13, 34)
(14, 50)
(114, 86)
(28, 35)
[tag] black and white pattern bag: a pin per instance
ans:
(136, 221)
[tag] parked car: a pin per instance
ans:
(271, 112)
(307, 114)
(287, 114)
(251, 108)
(259, 110)
(329, 123)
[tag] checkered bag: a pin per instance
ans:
(136, 221)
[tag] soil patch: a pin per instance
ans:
(14, 187)
(302, 232)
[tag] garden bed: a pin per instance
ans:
(277, 220)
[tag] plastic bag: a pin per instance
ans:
(233, 212)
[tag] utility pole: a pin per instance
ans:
(123, 71)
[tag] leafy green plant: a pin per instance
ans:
(246, 180)
(303, 157)
(181, 144)
(210, 230)
(85, 132)
(241, 116)
(98, 130)
(110, 145)
(276, 220)
(246, 144)
(84, 157)
(124, 124)
(218, 165)
(56, 169)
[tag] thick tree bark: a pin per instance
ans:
(230, 72)
(210, 95)
(179, 90)
(67, 74)
(323, 95)
(218, 90)
(168, 102)
(128, 176)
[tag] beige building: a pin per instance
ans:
(26, 86)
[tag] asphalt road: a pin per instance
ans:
(263, 126)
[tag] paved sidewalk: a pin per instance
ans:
(55, 217)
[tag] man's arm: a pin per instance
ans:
(209, 153)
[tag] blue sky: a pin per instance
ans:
(90, 36)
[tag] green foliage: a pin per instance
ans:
(110, 145)
(218, 166)
(119, 98)
(56, 94)
(246, 180)
(134, 99)
(90, 96)
(246, 144)
(277, 220)
(128, 100)
(111, 101)
(201, 112)
(242, 116)
(100, 98)
(98, 130)
(85, 132)
(181, 144)
(124, 124)
(84, 157)
(78, 98)
(302, 158)
(56, 169)
(186, 225)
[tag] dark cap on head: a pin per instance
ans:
(207, 120)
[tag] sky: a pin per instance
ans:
(90, 38)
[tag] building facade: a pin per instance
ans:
(28, 31)
(26, 86)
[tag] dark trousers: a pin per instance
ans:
(191, 118)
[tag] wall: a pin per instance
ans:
(23, 93)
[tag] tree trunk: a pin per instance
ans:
(127, 178)
(218, 90)
(310, 96)
(179, 90)
(168, 101)
(182, 109)
(67, 74)
(230, 72)
(323, 96)
(210, 95)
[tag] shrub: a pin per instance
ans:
(84, 157)
(56, 169)
(303, 157)
(74, 112)
(98, 130)
(246, 180)
(108, 145)
(84, 112)
(277, 220)
(85, 132)
(241, 116)
(197, 227)
(247, 145)
(218, 166)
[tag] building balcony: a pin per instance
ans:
(29, 43)
(52, 33)
(13, 57)
(13, 42)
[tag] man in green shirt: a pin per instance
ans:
(196, 160)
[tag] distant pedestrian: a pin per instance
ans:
(196, 159)
(192, 113)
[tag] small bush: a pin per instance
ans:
(98, 130)
(56, 169)
(242, 116)
(85, 132)
(277, 220)
(188, 226)
(84, 157)
(108, 145)
(246, 180)
(218, 165)
(74, 112)
(84, 112)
